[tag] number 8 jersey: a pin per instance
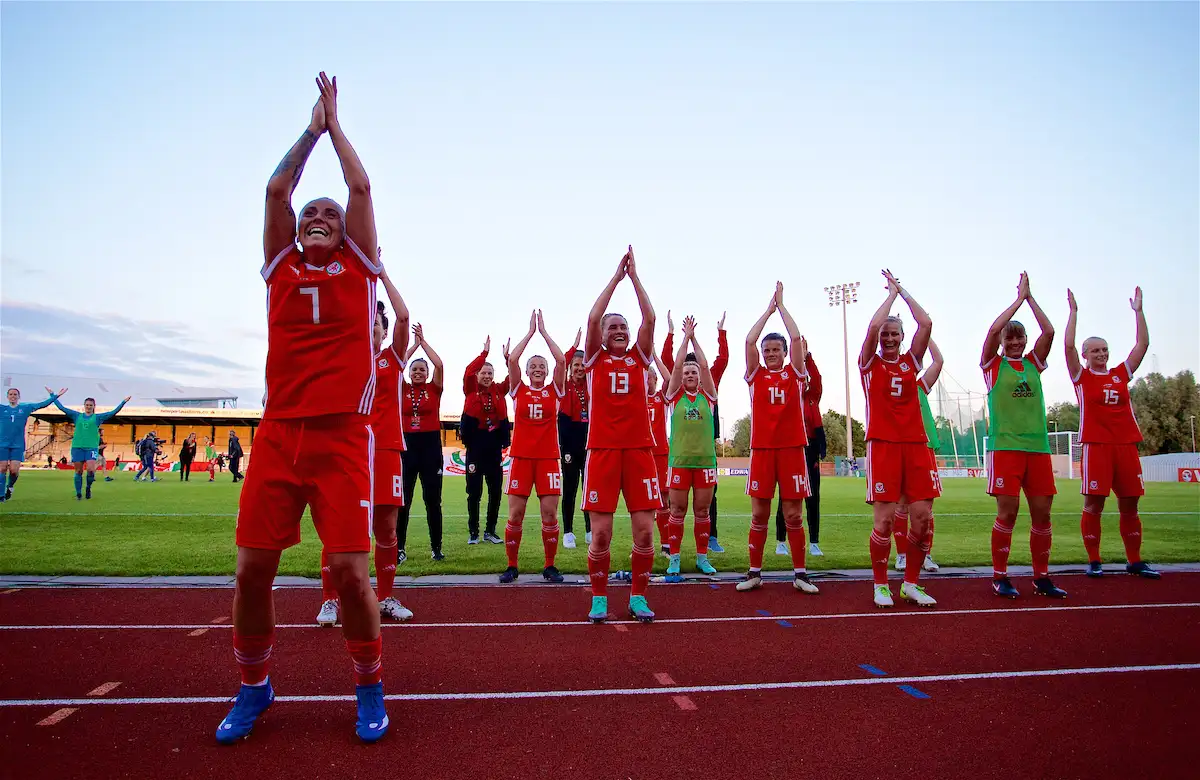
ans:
(893, 409)
(320, 359)
(617, 408)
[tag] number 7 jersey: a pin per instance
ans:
(320, 357)
(617, 411)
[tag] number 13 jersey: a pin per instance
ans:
(619, 417)
(893, 409)
(320, 359)
(535, 422)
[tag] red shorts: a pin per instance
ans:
(1010, 470)
(389, 479)
(527, 474)
(896, 469)
(631, 473)
(324, 463)
(1112, 467)
(786, 467)
(687, 479)
(664, 475)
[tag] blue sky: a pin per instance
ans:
(515, 150)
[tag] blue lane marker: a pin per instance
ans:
(784, 623)
(872, 670)
(913, 692)
(715, 586)
(764, 613)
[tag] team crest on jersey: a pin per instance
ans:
(754, 485)
(1116, 380)
(567, 458)
(471, 467)
(383, 362)
(514, 484)
(593, 496)
(999, 482)
(545, 394)
(784, 375)
(904, 366)
(629, 361)
(878, 487)
(1093, 485)
(334, 268)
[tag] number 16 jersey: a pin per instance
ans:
(619, 417)
(535, 422)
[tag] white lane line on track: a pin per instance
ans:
(588, 624)
(232, 515)
(679, 690)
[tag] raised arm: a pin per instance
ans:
(816, 385)
(111, 413)
(469, 375)
(400, 328)
(70, 413)
(920, 339)
(930, 377)
(719, 365)
(595, 323)
(1138, 353)
(991, 343)
(756, 331)
(514, 356)
(360, 211)
(706, 379)
(645, 337)
(49, 400)
(676, 378)
(796, 349)
(668, 356)
(279, 228)
(560, 360)
(1069, 349)
(662, 372)
(1045, 340)
(436, 377)
(871, 342)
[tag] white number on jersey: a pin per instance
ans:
(316, 302)
(620, 383)
(555, 480)
(397, 486)
(778, 396)
(651, 487)
(1110, 397)
(535, 411)
(897, 386)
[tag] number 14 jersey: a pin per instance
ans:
(620, 419)
(776, 411)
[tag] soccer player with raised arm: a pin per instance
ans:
(315, 446)
(534, 451)
(656, 407)
(85, 443)
(13, 418)
(777, 441)
(422, 456)
(620, 460)
(572, 442)
(1019, 456)
(899, 463)
(1110, 435)
(900, 519)
(692, 397)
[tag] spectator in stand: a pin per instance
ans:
(814, 453)
(235, 456)
(187, 454)
(486, 433)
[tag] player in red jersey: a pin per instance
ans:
(389, 480)
(620, 460)
(422, 456)
(899, 461)
(315, 446)
(925, 385)
(1110, 435)
(656, 407)
(777, 440)
(534, 450)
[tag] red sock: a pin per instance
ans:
(253, 656)
(675, 534)
(368, 660)
(1131, 535)
(328, 591)
(758, 539)
(799, 544)
(512, 543)
(1089, 524)
(881, 550)
(916, 557)
(385, 569)
(662, 518)
(1001, 547)
(900, 532)
(549, 541)
(598, 571)
(703, 526)
(1040, 538)
(643, 562)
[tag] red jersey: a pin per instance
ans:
(535, 422)
(776, 408)
(617, 412)
(656, 407)
(575, 401)
(421, 407)
(385, 418)
(1105, 412)
(320, 355)
(812, 395)
(893, 409)
(485, 404)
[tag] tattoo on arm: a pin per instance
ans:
(296, 157)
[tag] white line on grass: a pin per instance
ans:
(585, 623)
(671, 691)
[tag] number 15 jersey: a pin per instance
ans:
(1105, 411)
(619, 417)
(535, 422)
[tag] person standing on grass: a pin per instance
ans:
(777, 440)
(314, 446)
(814, 453)
(235, 457)
(13, 418)
(146, 449)
(1110, 435)
(210, 454)
(420, 408)
(85, 444)
(187, 454)
(572, 441)
(486, 433)
(1019, 452)
(900, 518)
(718, 370)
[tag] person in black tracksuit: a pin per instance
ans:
(420, 411)
(187, 453)
(814, 453)
(235, 457)
(486, 432)
(572, 441)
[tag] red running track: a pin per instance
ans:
(1094, 725)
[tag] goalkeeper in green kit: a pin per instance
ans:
(85, 444)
